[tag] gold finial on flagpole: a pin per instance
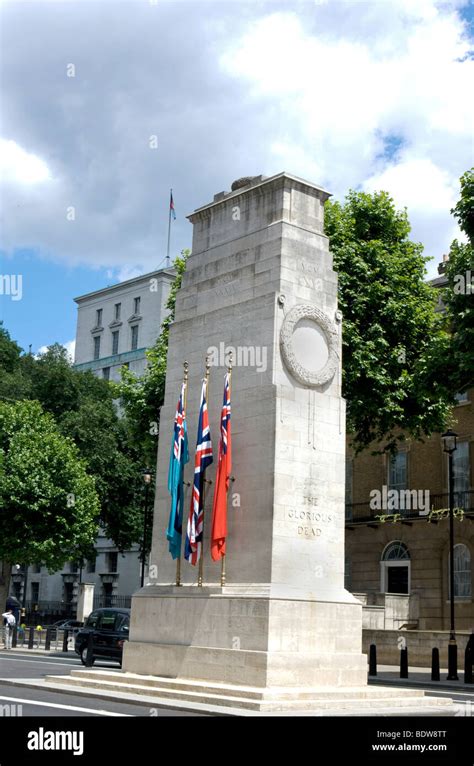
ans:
(185, 396)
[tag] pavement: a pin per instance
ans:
(25, 669)
(419, 678)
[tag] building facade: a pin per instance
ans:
(397, 528)
(116, 325)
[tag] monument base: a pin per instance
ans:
(259, 636)
(245, 649)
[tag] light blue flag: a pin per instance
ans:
(179, 456)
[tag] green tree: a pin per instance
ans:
(393, 340)
(143, 396)
(49, 507)
(458, 297)
(13, 385)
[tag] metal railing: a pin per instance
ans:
(438, 509)
(121, 602)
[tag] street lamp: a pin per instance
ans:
(449, 446)
(147, 476)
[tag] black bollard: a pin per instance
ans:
(404, 663)
(468, 658)
(372, 660)
(452, 661)
(435, 665)
(89, 655)
(47, 643)
(65, 640)
(14, 637)
(31, 638)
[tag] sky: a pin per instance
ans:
(107, 105)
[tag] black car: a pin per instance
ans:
(110, 629)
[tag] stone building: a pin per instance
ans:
(397, 558)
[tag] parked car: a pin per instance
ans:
(110, 629)
(67, 624)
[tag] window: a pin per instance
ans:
(136, 306)
(108, 619)
(117, 309)
(68, 592)
(397, 471)
(461, 397)
(73, 567)
(35, 592)
(111, 561)
(93, 619)
(98, 318)
(90, 567)
(36, 569)
(462, 572)
(395, 568)
(106, 373)
(115, 342)
(461, 468)
(134, 337)
(107, 594)
(97, 347)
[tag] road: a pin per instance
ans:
(36, 702)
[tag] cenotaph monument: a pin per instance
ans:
(282, 633)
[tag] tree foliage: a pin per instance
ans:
(393, 339)
(83, 408)
(458, 297)
(48, 503)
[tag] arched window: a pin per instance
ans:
(395, 551)
(462, 572)
(395, 568)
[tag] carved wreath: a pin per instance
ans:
(300, 373)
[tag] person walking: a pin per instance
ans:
(9, 624)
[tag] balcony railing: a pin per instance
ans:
(121, 602)
(362, 513)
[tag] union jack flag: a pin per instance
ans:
(203, 458)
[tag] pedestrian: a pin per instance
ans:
(9, 624)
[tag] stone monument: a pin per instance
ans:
(282, 632)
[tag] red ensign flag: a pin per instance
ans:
(224, 469)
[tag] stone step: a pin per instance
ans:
(241, 691)
(352, 700)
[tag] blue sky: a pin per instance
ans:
(107, 105)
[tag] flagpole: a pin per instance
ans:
(201, 558)
(229, 371)
(169, 233)
(185, 397)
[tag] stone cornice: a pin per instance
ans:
(266, 186)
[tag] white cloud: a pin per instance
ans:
(70, 347)
(317, 89)
(401, 70)
(20, 166)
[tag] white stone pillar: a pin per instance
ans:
(85, 600)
